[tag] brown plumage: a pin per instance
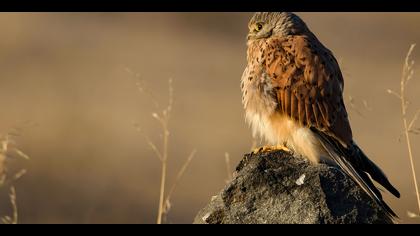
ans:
(292, 94)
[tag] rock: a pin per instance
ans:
(279, 188)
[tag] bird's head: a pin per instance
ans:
(281, 24)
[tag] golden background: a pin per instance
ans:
(67, 72)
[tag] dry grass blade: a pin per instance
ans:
(393, 93)
(12, 196)
(177, 179)
(21, 154)
(228, 168)
(407, 75)
(14, 218)
(416, 116)
(19, 174)
(412, 215)
(149, 142)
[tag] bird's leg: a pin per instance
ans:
(269, 148)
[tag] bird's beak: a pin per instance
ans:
(255, 36)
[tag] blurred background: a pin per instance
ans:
(68, 73)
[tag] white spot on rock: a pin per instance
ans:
(205, 217)
(301, 180)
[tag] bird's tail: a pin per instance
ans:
(357, 165)
(365, 164)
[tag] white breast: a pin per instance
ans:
(278, 129)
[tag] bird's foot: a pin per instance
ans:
(268, 148)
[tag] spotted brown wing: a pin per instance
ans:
(309, 84)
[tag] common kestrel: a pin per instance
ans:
(292, 91)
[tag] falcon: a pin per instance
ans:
(292, 92)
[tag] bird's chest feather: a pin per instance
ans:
(259, 97)
(260, 101)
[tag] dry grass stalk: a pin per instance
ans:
(6, 147)
(407, 75)
(163, 118)
(167, 202)
(14, 218)
(228, 168)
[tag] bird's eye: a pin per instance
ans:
(258, 26)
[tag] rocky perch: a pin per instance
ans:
(278, 188)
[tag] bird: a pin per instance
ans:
(292, 93)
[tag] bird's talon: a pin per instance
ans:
(283, 148)
(265, 149)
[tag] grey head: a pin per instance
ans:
(266, 24)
